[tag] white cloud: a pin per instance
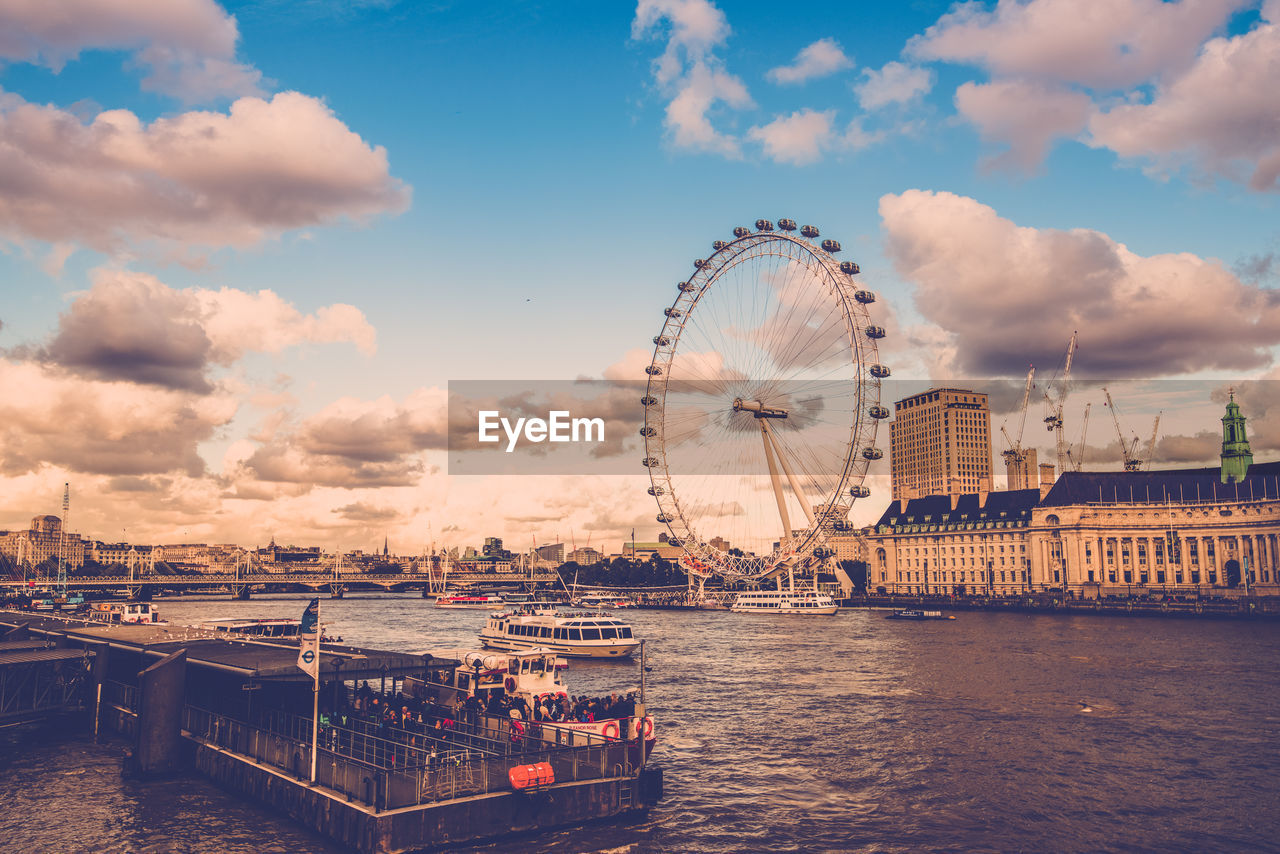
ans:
(687, 114)
(696, 27)
(1220, 117)
(799, 139)
(48, 417)
(132, 327)
(819, 59)
(690, 74)
(197, 178)
(188, 45)
(1007, 295)
(895, 83)
(1027, 116)
(1103, 44)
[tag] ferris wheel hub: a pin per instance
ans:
(758, 409)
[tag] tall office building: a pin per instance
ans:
(940, 444)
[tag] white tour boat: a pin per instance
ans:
(580, 635)
(784, 602)
(479, 601)
(532, 676)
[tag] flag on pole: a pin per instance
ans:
(309, 633)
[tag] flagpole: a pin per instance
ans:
(315, 715)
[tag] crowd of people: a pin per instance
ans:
(425, 719)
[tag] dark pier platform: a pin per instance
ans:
(239, 712)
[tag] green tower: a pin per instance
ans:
(1236, 456)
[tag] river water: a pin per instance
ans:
(993, 732)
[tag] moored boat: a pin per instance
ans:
(784, 602)
(579, 635)
(915, 614)
(534, 677)
(140, 613)
(474, 600)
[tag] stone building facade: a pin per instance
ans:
(1203, 532)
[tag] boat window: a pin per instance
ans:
(591, 634)
(575, 634)
(609, 633)
(546, 631)
(559, 634)
(624, 632)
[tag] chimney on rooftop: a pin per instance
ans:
(1046, 478)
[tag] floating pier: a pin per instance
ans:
(239, 712)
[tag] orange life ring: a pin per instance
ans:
(605, 729)
(510, 684)
(648, 728)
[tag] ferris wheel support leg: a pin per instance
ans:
(791, 476)
(777, 481)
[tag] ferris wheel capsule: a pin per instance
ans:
(687, 286)
(661, 340)
(875, 412)
(872, 453)
(832, 246)
(879, 371)
(673, 312)
(652, 370)
(718, 245)
(741, 231)
(650, 462)
(764, 225)
(850, 268)
(656, 490)
(648, 431)
(864, 297)
(859, 491)
(648, 400)
(809, 231)
(787, 224)
(699, 263)
(875, 332)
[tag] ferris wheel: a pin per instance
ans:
(762, 404)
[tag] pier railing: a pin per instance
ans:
(409, 767)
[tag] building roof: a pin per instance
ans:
(1158, 487)
(1007, 505)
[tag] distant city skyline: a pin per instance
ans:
(248, 246)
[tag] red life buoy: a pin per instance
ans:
(610, 725)
(648, 728)
(510, 684)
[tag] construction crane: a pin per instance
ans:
(1015, 457)
(1129, 451)
(1076, 457)
(1053, 421)
(1151, 445)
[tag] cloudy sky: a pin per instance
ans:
(247, 246)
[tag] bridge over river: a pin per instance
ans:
(241, 585)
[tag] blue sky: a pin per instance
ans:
(538, 202)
